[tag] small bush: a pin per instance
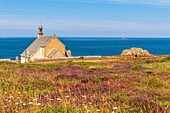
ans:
(84, 81)
(81, 57)
(149, 72)
(56, 110)
(157, 83)
(165, 59)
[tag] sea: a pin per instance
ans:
(88, 46)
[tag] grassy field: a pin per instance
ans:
(110, 85)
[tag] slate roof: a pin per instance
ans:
(39, 42)
(52, 53)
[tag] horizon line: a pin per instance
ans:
(94, 37)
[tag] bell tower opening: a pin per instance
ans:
(40, 31)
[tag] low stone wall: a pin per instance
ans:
(69, 58)
(1, 60)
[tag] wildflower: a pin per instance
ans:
(58, 99)
(74, 99)
(46, 96)
(90, 103)
(85, 106)
(24, 104)
(88, 111)
(97, 110)
(30, 103)
(51, 99)
(9, 101)
(5, 92)
(17, 103)
(113, 112)
(38, 104)
(35, 99)
(114, 107)
(84, 96)
(6, 100)
(19, 93)
(67, 96)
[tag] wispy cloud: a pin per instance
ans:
(149, 2)
(91, 27)
(141, 2)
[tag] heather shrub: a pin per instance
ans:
(155, 83)
(122, 85)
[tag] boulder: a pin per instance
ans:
(135, 52)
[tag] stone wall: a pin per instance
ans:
(70, 58)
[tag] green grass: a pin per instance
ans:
(160, 66)
(60, 109)
(68, 87)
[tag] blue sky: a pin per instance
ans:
(72, 18)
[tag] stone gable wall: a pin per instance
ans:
(54, 44)
(37, 55)
(58, 54)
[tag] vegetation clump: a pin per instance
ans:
(131, 85)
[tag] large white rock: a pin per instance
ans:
(135, 52)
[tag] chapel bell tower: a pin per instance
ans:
(40, 33)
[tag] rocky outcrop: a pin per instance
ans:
(135, 52)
